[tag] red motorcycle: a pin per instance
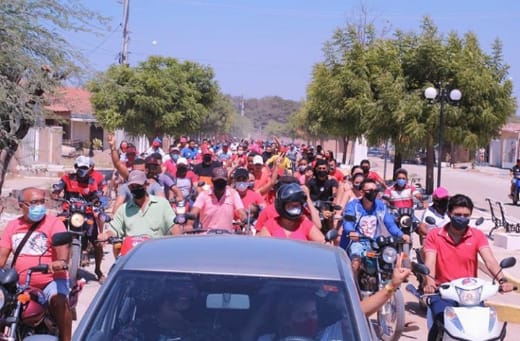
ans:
(23, 308)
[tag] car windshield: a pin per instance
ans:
(175, 306)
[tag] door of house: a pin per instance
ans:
(96, 132)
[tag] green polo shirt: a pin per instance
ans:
(155, 220)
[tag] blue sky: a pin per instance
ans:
(268, 47)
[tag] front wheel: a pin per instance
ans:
(75, 259)
(390, 318)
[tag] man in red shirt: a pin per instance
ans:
(248, 196)
(401, 193)
(335, 172)
(365, 166)
(55, 284)
(451, 253)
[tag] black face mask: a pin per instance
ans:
(322, 174)
(219, 184)
(357, 187)
(206, 158)
(138, 193)
(371, 195)
(442, 205)
(365, 169)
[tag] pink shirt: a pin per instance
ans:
(276, 230)
(218, 214)
(37, 245)
(252, 197)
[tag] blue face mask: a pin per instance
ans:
(175, 157)
(401, 182)
(37, 212)
(459, 223)
(242, 186)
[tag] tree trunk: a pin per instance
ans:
(398, 161)
(346, 141)
(430, 160)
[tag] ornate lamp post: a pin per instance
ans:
(443, 96)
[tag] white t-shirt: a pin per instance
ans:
(440, 219)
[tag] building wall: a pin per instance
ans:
(40, 146)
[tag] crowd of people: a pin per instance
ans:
(265, 188)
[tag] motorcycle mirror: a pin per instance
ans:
(61, 238)
(350, 218)
(430, 220)
(331, 235)
(479, 221)
(508, 262)
(385, 197)
(420, 268)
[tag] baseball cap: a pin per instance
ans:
(156, 142)
(137, 177)
(182, 160)
(257, 160)
(150, 160)
(82, 161)
(219, 173)
(241, 173)
(440, 193)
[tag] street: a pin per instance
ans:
(478, 184)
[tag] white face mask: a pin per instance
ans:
(294, 211)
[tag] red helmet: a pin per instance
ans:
(33, 312)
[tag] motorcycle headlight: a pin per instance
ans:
(389, 255)
(3, 296)
(77, 220)
(405, 221)
(469, 297)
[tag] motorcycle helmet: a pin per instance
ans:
(33, 311)
(82, 166)
(289, 193)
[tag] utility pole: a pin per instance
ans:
(123, 58)
(242, 106)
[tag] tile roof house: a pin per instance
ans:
(71, 109)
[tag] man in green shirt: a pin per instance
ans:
(145, 214)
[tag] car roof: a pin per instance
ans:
(237, 255)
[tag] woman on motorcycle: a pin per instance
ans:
(290, 222)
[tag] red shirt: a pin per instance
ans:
(374, 176)
(99, 178)
(301, 233)
(455, 261)
(266, 214)
(38, 243)
(251, 197)
(401, 198)
(338, 175)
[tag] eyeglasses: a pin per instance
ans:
(34, 202)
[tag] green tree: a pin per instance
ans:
(35, 57)
(158, 96)
(339, 96)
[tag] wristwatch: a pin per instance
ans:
(390, 289)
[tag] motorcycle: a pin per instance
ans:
(470, 320)
(23, 309)
(321, 205)
(376, 270)
(516, 186)
(78, 216)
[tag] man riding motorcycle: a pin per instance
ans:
(370, 219)
(514, 172)
(37, 248)
(324, 188)
(401, 193)
(81, 185)
(451, 252)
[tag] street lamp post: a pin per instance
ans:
(443, 97)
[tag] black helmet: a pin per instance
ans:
(291, 192)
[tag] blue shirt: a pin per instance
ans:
(189, 153)
(368, 223)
